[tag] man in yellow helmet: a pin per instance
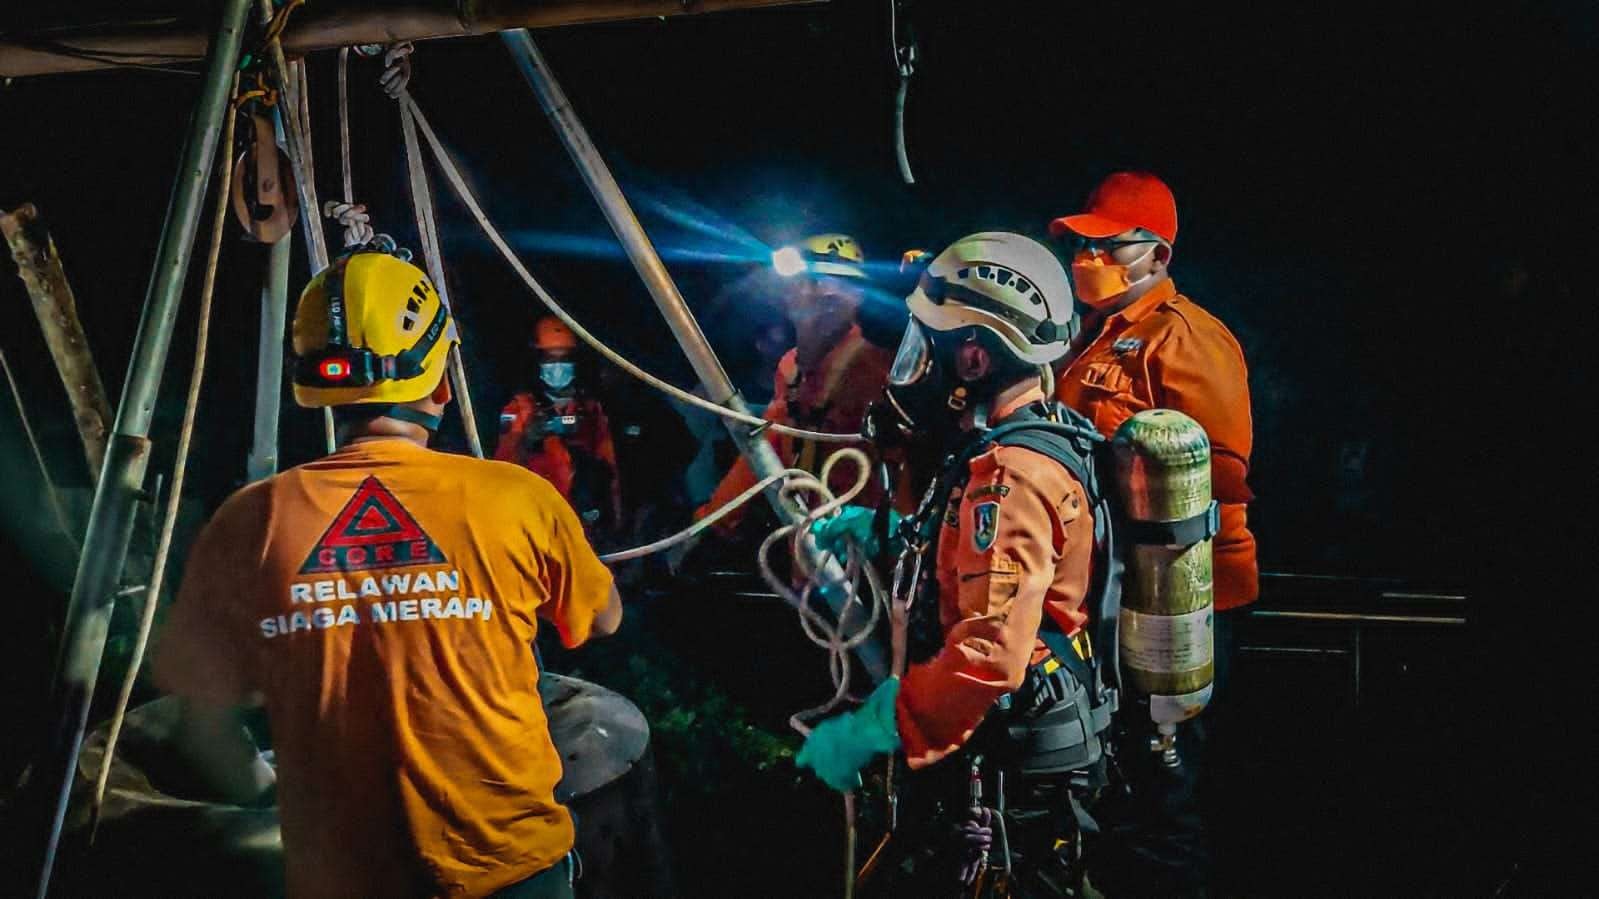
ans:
(382, 601)
(833, 372)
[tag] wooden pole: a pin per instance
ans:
(39, 266)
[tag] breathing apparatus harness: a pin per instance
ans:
(1067, 702)
(338, 364)
(1051, 735)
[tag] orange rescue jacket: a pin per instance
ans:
(1163, 351)
(1016, 544)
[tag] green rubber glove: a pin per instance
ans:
(854, 523)
(842, 745)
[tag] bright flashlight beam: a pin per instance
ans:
(788, 262)
(557, 243)
(686, 213)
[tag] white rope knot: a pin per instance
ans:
(396, 68)
(355, 220)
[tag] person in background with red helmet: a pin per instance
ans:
(1144, 345)
(558, 430)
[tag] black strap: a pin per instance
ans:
(414, 416)
(408, 364)
(333, 286)
(1185, 532)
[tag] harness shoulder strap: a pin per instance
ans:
(1069, 439)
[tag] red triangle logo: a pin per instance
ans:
(372, 531)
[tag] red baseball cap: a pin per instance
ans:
(1122, 202)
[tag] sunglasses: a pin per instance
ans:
(1077, 243)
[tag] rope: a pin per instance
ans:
(344, 124)
(835, 638)
(264, 92)
(354, 219)
(274, 29)
(900, 154)
(904, 63)
(697, 527)
(458, 184)
(396, 69)
(179, 469)
(296, 113)
(396, 75)
(302, 108)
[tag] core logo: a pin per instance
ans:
(372, 531)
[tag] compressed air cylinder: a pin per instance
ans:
(1166, 635)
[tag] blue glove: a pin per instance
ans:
(856, 523)
(842, 745)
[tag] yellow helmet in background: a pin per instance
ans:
(370, 329)
(822, 254)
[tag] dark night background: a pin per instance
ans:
(1387, 205)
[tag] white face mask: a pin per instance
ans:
(557, 375)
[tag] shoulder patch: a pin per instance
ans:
(999, 490)
(985, 525)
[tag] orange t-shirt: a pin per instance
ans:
(1165, 352)
(384, 601)
(1017, 544)
(833, 398)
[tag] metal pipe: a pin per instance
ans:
(139, 38)
(1360, 619)
(1401, 596)
(762, 458)
(263, 460)
(624, 223)
(110, 526)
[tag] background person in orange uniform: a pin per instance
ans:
(559, 430)
(833, 372)
(383, 602)
(1014, 550)
(1144, 345)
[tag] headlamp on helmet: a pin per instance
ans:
(371, 329)
(822, 254)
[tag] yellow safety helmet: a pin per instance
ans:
(822, 254)
(370, 329)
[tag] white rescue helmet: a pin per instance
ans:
(1006, 283)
